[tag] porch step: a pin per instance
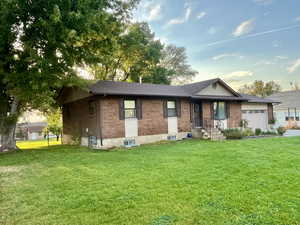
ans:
(213, 134)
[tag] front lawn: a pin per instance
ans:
(38, 143)
(247, 182)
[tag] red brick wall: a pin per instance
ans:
(235, 110)
(76, 120)
(184, 122)
(153, 121)
(112, 126)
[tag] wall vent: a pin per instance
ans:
(129, 143)
(172, 138)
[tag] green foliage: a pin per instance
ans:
(261, 89)
(269, 133)
(54, 121)
(42, 42)
(281, 130)
(272, 121)
(175, 60)
(258, 131)
(138, 55)
(233, 133)
(244, 123)
(248, 132)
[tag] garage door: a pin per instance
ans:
(256, 119)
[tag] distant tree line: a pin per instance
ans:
(264, 89)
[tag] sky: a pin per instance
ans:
(239, 41)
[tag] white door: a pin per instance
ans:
(256, 119)
(131, 127)
(172, 125)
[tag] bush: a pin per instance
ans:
(269, 133)
(248, 132)
(233, 134)
(257, 131)
(244, 123)
(281, 130)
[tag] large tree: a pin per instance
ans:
(42, 42)
(138, 55)
(175, 59)
(260, 88)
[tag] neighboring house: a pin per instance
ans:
(30, 131)
(30, 126)
(117, 113)
(287, 113)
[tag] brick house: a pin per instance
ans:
(111, 113)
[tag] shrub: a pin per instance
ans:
(281, 130)
(269, 133)
(272, 121)
(257, 131)
(233, 134)
(244, 123)
(248, 132)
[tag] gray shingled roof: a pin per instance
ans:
(194, 88)
(288, 99)
(189, 90)
(255, 99)
(137, 89)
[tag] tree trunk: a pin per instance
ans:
(8, 142)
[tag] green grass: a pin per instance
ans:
(247, 182)
(37, 144)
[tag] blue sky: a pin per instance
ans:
(237, 40)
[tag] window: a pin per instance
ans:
(220, 112)
(171, 108)
(292, 115)
(92, 107)
(130, 108)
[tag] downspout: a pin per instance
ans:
(99, 121)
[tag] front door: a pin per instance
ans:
(198, 114)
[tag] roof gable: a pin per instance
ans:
(214, 87)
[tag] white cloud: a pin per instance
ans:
(294, 66)
(148, 11)
(212, 30)
(263, 2)
(281, 57)
(244, 28)
(237, 74)
(201, 15)
(264, 63)
(182, 19)
(226, 55)
(298, 19)
(155, 13)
